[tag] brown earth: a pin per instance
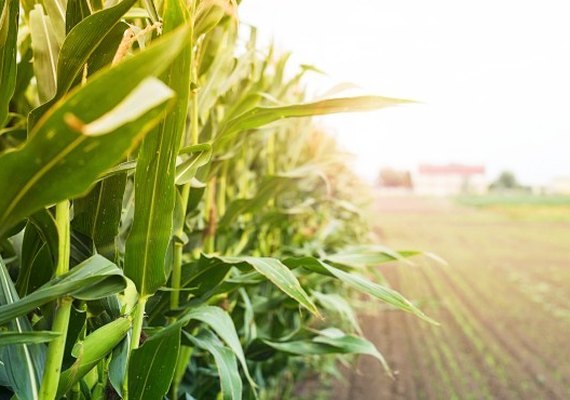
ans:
(503, 302)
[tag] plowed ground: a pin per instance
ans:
(503, 302)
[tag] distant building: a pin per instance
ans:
(393, 178)
(449, 180)
(559, 185)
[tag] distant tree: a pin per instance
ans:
(506, 180)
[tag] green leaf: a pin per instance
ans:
(350, 344)
(37, 264)
(59, 162)
(269, 188)
(91, 350)
(34, 337)
(78, 46)
(93, 279)
(46, 51)
(222, 324)
(230, 380)
(118, 365)
(155, 190)
(330, 341)
(279, 274)
(200, 155)
(8, 45)
(261, 116)
(55, 9)
(302, 347)
(75, 12)
(124, 167)
(360, 283)
(151, 366)
(368, 256)
(340, 306)
(23, 363)
(209, 14)
(98, 214)
(204, 275)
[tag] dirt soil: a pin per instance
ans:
(503, 302)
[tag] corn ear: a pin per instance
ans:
(91, 350)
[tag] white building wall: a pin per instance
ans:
(560, 185)
(448, 184)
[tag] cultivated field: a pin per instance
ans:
(503, 303)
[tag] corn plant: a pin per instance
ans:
(170, 225)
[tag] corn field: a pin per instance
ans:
(170, 224)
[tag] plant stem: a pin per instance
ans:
(211, 215)
(222, 187)
(179, 247)
(271, 153)
(178, 251)
(194, 132)
(50, 380)
(184, 355)
(185, 352)
(138, 318)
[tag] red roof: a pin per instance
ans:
(451, 169)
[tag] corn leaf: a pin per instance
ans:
(75, 12)
(118, 365)
(55, 9)
(199, 278)
(269, 189)
(276, 272)
(221, 323)
(34, 337)
(59, 162)
(8, 43)
(331, 341)
(46, 51)
(338, 305)
(93, 279)
(155, 190)
(351, 344)
(360, 283)
(23, 363)
(208, 15)
(36, 265)
(78, 46)
(261, 116)
(200, 155)
(368, 256)
(151, 366)
(98, 214)
(59, 153)
(124, 167)
(204, 275)
(230, 380)
(91, 350)
(302, 347)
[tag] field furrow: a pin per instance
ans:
(503, 305)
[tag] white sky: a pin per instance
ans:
(493, 77)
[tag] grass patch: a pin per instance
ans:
(525, 206)
(517, 199)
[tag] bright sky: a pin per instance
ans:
(493, 77)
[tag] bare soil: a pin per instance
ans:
(503, 302)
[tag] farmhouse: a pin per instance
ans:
(559, 185)
(449, 180)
